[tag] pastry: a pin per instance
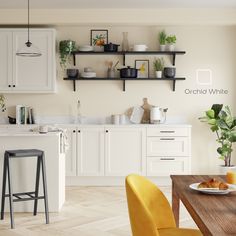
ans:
(213, 183)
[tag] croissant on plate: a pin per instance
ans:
(213, 183)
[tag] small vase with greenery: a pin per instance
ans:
(159, 66)
(162, 40)
(223, 123)
(66, 47)
(171, 40)
(2, 103)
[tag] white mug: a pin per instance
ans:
(115, 119)
(43, 129)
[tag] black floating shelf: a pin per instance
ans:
(171, 53)
(124, 79)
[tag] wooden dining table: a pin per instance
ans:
(214, 214)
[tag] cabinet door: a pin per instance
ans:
(5, 60)
(34, 74)
(125, 152)
(167, 146)
(90, 149)
(71, 153)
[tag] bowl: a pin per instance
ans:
(140, 47)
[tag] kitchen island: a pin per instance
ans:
(24, 169)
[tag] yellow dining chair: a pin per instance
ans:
(149, 211)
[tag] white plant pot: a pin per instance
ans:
(159, 74)
(224, 169)
(162, 47)
(171, 47)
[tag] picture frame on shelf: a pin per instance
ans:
(98, 37)
(143, 68)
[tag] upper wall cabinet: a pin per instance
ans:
(27, 74)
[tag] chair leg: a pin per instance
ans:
(4, 179)
(10, 194)
(45, 189)
(37, 185)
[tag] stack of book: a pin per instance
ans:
(24, 115)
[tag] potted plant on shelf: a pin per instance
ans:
(66, 47)
(223, 123)
(171, 40)
(159, 66)
(2, 103)
(162, 40)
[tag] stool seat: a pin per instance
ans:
(24, 152)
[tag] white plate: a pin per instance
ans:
(86, 48)
(231, 188)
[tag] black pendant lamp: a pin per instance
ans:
(29, 50)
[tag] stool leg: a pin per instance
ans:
(4, 180)
(45, 189)
(37, 185)
(10, 194)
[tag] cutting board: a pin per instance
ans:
(147, 109)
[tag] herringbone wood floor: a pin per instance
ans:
(88, 211)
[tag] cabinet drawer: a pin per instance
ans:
(166, 166)
(167, 131)
(167, 146)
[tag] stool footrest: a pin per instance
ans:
(20, 199)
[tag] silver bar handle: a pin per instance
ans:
(167, 131)
(167, 138)
(167, 159)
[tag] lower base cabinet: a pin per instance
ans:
(118, 151)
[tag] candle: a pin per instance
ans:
(231, 177)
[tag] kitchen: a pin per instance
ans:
(207, 38)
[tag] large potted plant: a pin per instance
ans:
(223, 123)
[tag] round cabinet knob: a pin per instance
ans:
(14, 86)
(73, 131)
(106, 131)
(9, 86)
(78, 131)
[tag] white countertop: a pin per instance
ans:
(27, 133)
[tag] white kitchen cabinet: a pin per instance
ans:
(168, 150)
(29, 74)
(90, 151)
(71, 155)
(125, 151)
(5, 60)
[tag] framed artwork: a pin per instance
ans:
(98, 37)
(143, 67)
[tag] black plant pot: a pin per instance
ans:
(72, 73)
(169, 72)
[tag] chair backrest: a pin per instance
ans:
(149, 209)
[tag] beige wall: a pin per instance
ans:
(207, 47)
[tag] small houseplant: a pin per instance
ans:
(223, 123)
(171, 40)
(159, 66)
(66, 47)
(162, 40)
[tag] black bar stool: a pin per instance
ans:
(18, 197)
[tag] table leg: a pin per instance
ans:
(175, 204)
